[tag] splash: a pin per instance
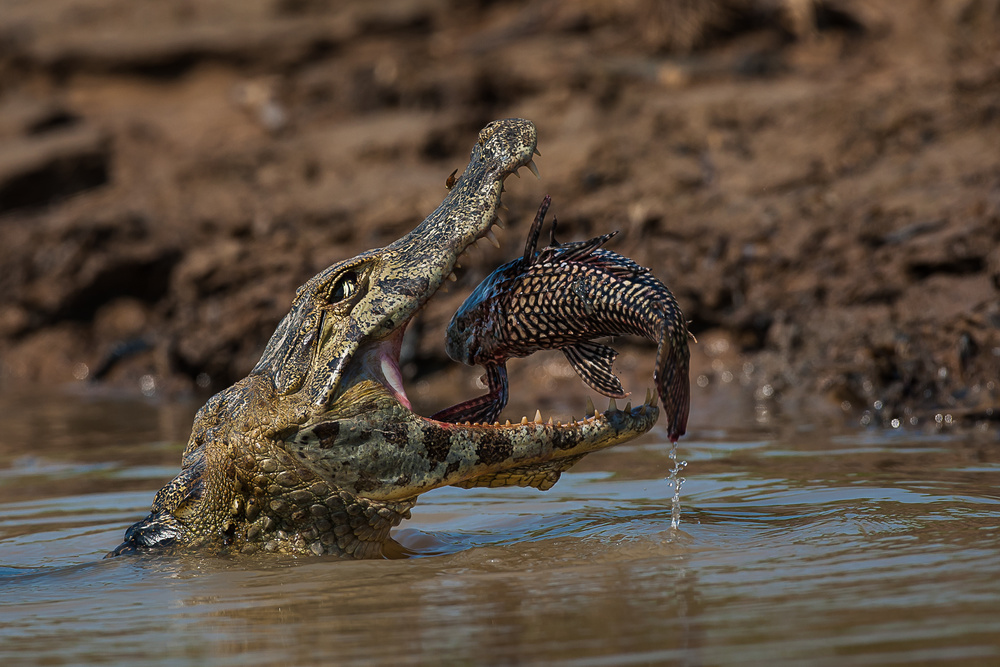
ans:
(676, 481)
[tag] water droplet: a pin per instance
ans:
(203, 380)
(845, 406)
(702, 381)
(721, 346)
(877, 405)
(767, 390)
(894, 423)
(727, 376)
(81, 371)
(147, 384)
(675, 482)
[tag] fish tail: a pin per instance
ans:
(671, 374)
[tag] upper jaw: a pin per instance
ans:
(408, 272)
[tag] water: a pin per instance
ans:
(796, 546)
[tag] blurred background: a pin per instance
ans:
(817, 180)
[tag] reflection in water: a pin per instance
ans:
(860, 548)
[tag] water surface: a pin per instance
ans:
(797, 545)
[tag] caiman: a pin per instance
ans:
(317, 450)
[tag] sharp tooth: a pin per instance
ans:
(492, 237)
(534, 169)
(457, 266)
(524, 421)
(538, 416)
(655, 401)
(537, 153)
(649, 396)
(558, 422)
(515, 173)
(508, 423)
(496, 423)
(549, 422)
(574, 419)
(499, 221)
(642, 410)
(452, 277)
(628, 407)
(612, 405)
(591, 410)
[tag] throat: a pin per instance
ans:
(381, 363)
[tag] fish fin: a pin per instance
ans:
(540, 476)
(576, 251)
(671, 374)
(593, 361)
(536, 228)
(482, 409)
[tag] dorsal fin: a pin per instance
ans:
(593, 361)
(576, 251)
(536, 228)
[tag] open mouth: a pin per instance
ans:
(413, 453)
(381, 361)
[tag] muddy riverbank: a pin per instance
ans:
(818, 183)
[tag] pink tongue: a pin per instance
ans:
(390, 369)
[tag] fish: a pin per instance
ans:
(563, 297)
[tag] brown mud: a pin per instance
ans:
(818, 182)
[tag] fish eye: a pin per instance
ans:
(345, 287)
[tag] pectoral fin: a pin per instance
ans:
(593, 362)
(483, 409)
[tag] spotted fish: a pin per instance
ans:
(563, 297)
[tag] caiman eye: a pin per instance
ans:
(346, 286)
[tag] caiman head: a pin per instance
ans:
(318, 449)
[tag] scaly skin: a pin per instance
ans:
(562, 298)
(317, 451)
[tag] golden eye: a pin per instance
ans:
(346, 286)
